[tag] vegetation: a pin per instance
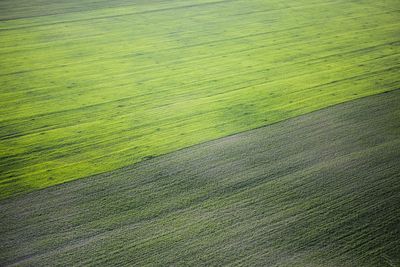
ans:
(318, 190)
(128, 94)
(91, 86)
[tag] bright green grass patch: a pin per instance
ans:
(90, 86)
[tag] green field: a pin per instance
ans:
(322, 189)
(90, 86)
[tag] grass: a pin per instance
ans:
(89, 86)
(318, 190)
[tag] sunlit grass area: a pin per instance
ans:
(92, 86)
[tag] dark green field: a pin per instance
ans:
(322, 189)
